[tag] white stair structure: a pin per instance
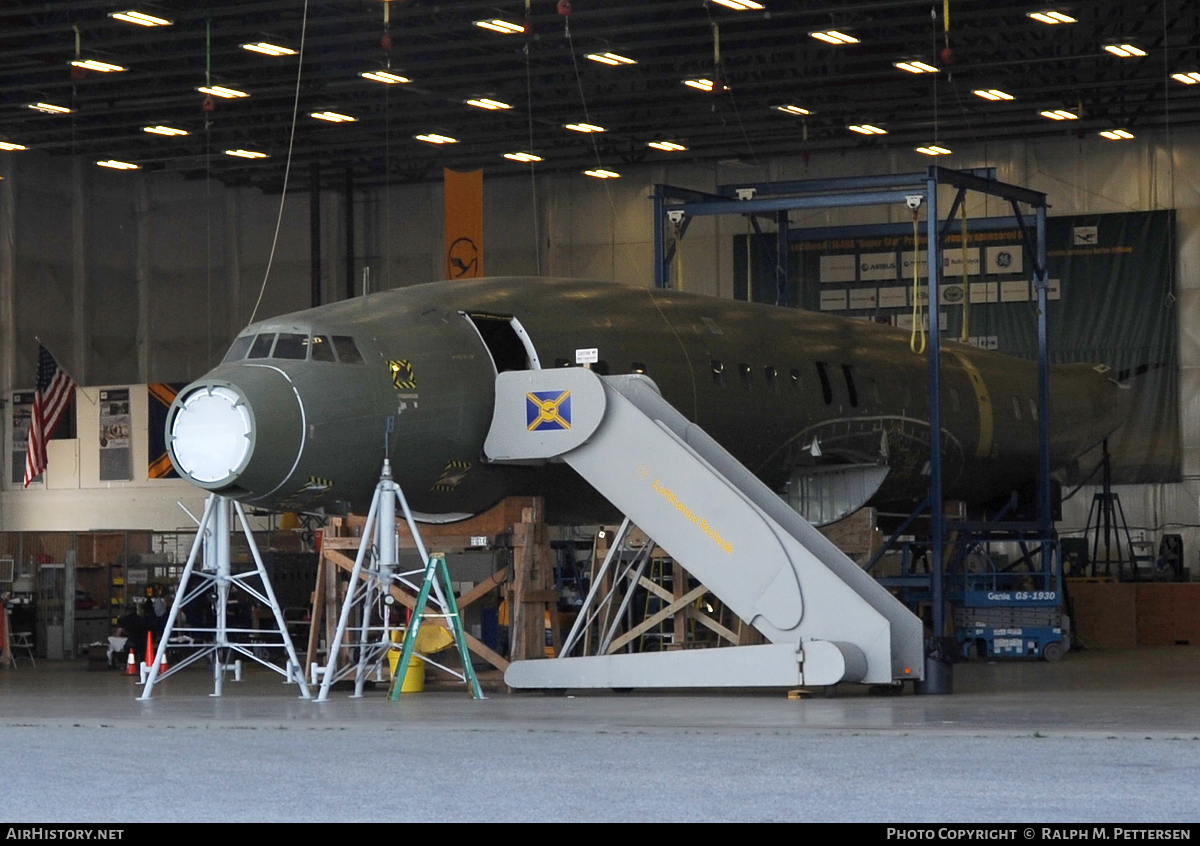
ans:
(827, 621)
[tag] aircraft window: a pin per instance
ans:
(771, 374)
(237, 351)
(347, 350)
(826, 388)
(747, 375)
(637, 367)
(322, 350)
(261, 348)
(1016, 408)
(1032, 409)
(718, 371)
(290, 345)
(796, 379)
(873, 392)
(848, 372)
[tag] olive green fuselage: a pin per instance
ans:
(765, 382)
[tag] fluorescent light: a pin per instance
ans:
(601, 173)
(523, 157)
(792, 110)
(1059, 114)
(164, 130)
(487, 103)
(96, 65)
(583, 127)
(118, 165)
(50, 108)
(740, 5)
(333, 117)
(934, 150)
(866, 129)
(833, 36)
(222, 91)
(9, 145)
(1051, 17)
(269, 49)
(1187, 78)
(500, 25)
(992, 94)
(1125, 51)
(434, 138)
(915, 66)
(611, 59)
(384, 76)
(139, 18)
(246, 154)
(1116, 134)
(667, 146)
(703, 84)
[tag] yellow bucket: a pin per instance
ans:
(414, 676)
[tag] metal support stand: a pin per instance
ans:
(215, 573)
(369, 594)
(1107, 517)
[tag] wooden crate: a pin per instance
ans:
(1105, 614)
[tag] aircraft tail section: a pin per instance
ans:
(830, 620)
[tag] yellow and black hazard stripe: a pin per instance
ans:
(452, 475)
(404, 378)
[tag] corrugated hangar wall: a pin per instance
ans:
(134, 278)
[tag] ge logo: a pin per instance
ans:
(1004, 259)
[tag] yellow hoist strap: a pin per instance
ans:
(916, 341)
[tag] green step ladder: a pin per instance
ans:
(435, 568)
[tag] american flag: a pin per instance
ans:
(54, 391)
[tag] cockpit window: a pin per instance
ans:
(290, 345)
(261, 348)
(347, 350)
(322, 350)
(237, 351)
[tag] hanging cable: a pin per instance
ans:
(918, 320)
(677, 229)
(287, 169)
(966, 277)
(537, 236)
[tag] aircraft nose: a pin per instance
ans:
(216, 437)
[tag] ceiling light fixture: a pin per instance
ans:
(523, 157)
(1125, 51)
(1116, 134)
(222, 91)
(1059, 114)
(434, 138)
(992, 94)
(601, 173)
(915, 66)
(1051, 17)
(246, 154)
(500, 25)
(269, 49)
(333, 117)
(703, 84)
(386, 77)
(139, 18)
(583, 127)
(667, 146)
(50, 109)
(164, 130)
(487, 103)
(1187, 77)
(833, 36)
(96, 65)
(114, 164)
(792, 110)
(9, 145)
(611, 59)
(934, 150)
(740, 5)
(866, 129)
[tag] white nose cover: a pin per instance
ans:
(210, 435)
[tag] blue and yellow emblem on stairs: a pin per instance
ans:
(547, 410)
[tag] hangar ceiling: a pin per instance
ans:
(756, 61)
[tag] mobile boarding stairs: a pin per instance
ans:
(826, 620)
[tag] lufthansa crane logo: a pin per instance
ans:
(547, 410)
(463, 259)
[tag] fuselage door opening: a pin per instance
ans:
(506, 341)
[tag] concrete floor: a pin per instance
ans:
(1099, 737)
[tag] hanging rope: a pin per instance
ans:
(918, 321)
(678, 255)
(966, 317)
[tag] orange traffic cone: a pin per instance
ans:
(162, 668)
(131, 664)
(149, 650)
